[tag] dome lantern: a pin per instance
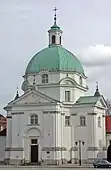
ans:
(55, 32)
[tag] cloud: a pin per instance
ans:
(94, 56)
(97, 65)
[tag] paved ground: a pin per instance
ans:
(43, 168)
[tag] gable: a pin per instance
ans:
(98, 101)
(33, 98)
(101, 103)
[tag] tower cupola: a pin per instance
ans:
(55, 33)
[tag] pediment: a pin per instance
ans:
(33, 98)
(67, 81)
(101, 102)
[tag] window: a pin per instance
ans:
(67, 96)
(60, 39)
(67, 120)
(34, 119)
(53, 39)
(82, 121)
(99, 121)
(44, 78)
(80, 80)
(33, 141)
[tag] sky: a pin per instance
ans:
(86, 26)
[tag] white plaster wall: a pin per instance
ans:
(53, 92)
(9, 133)
(16, 155)
(67, 142)
(2, 147)
(100, 131)
(57, 91)
(79, 131)
(83, 133)
(53, 78)
(20, 125)
(52, 134)
(48, 130)
(79, 93)
(92, 133)
(15, 131)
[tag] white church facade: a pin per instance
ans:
(55, 120)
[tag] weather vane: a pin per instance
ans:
(55, 16)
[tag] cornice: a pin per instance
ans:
(91, 114)
(51, 112)
(62, 85)
(55, 72)
(31, 104)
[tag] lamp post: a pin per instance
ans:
(79, 143)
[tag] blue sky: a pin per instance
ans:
(86, 29)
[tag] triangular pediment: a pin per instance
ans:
(33, 97)
(101, 102)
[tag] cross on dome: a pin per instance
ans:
(55, 15)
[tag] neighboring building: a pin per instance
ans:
(2, 144)
(3, 125)
(109, 107)
(108, 136)
(3, 122)
(108, 129)
(54, 114)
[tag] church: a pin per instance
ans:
(55, 121)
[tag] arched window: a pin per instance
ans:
(99, 121)
(80, 80)
(45, 78)
(82, 121)
(34, 119)
(53, 39)
(60, 39)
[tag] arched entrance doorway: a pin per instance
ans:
(109, 153)
(31, 144)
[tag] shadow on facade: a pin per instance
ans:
(109, 153)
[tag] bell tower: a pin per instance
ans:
(55, 33)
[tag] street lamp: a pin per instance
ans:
(80, 143)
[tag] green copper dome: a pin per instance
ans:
(54, 58)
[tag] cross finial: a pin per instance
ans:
(97, 85)
(17, 94)
(17, 89)
(55, 16)
(97, 90)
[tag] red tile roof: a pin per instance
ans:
(3, 132)
(108, 124)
